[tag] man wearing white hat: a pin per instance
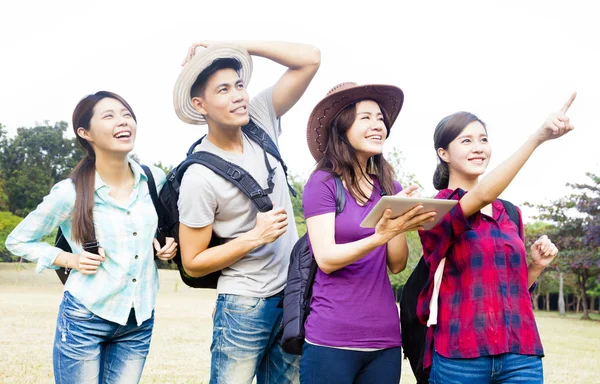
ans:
(211, 89)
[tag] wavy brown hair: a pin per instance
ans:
(340, 157)
(83, 175)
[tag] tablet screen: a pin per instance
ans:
(400, 205)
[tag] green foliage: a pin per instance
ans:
(135, 157)
(298, 184)
(3, 196)
(415, 251)
(165, 168)
(397, 160)
(577, 234)
(33, 161)
(8, 222)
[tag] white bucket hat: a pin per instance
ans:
(182, 100)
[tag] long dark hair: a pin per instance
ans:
(340, 157)
(446, 131)
(83, 175)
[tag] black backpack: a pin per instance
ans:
(413, 331)
(61, 241)
(298, 290)
(168, 224)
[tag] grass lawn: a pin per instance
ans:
(183, 328)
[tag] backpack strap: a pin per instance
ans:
(340, 195)
(153, 192)
(229, 171)
(262, 138)
(513, 213)
(156, 202)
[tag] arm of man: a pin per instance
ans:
(200, 260)
(302, 60)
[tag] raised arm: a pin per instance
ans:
(302, 60)
(493, 184)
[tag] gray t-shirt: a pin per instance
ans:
(207, 198)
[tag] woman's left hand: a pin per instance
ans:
(168, 251)
(543, 251)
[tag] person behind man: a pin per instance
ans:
(211, 89)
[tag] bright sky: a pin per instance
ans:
(509, 62)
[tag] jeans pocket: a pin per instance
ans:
(74, 310)
(240, 304)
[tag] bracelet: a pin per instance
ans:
(67, 269)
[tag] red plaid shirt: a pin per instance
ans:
(484, 305)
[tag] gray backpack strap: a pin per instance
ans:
(232, 173)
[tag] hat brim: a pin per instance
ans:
(182, 100)
(389, 97)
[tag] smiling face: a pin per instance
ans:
(224, 101)
(468, 155)
(112, 127)
(368, 132)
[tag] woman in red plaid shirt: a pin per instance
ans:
(479, 301)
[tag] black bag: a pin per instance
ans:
(92, 246)
(298, 290)
(413, 331)
(169, 195)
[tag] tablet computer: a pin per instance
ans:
(400, 205)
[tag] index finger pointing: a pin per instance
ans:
(566, 106)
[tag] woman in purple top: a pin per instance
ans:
(353, 329)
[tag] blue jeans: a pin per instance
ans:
(506, 368)
(325, 365)
(89, 349)
(245, 342)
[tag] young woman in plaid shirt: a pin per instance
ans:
(106, 316)
(482, 327)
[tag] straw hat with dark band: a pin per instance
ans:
(389, 97)
(182, 100)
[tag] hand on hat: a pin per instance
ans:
(557, 124)
(192, 50)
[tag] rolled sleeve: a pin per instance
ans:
(26, 239)
(533, 287)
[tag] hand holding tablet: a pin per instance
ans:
(400, 205)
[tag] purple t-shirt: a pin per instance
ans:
(353, 307)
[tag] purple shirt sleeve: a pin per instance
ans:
(319, 195)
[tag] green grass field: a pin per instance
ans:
(183, 328)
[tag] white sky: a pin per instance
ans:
(509, 62)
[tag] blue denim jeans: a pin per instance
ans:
(245, 342)
(89, 349)
(325, 365)
(507, 368)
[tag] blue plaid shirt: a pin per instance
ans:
(128, 277)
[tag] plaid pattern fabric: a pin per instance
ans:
(484, 304)
(128, 276)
